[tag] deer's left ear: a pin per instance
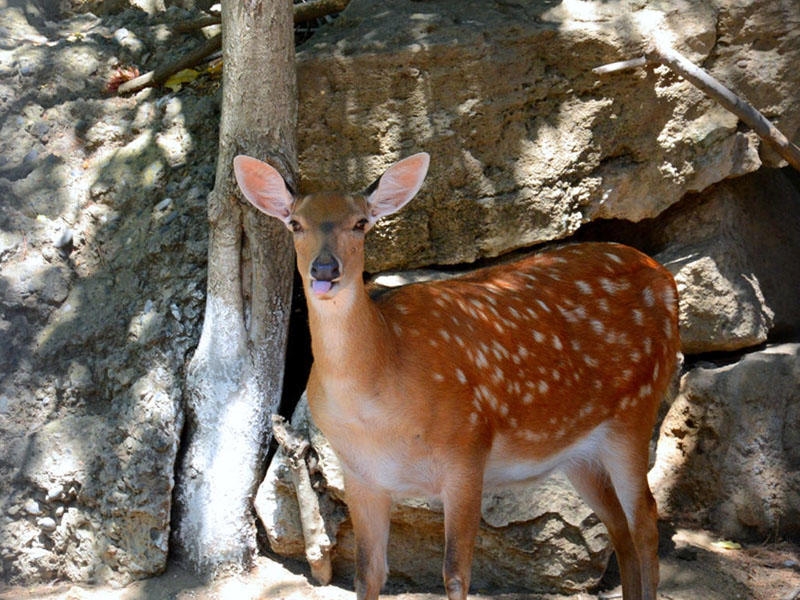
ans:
(397, 186)
(264, 187)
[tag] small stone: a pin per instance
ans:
(163, 205)
(47, 524)
(63, 239)
(32, 507)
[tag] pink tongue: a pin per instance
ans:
(321, 287)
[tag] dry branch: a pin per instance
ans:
(664, 55)
(160, 75)
(302, 13)
(308, 11)
(318, 544)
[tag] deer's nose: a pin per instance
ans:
(325, 267)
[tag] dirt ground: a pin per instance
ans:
(694, 566)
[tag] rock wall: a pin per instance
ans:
(527, 143)
(102, 267)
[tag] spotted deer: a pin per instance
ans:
(445, 388)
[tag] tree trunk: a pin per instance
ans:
(235, 376)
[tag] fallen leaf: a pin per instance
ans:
(185, 76)
(727, 545)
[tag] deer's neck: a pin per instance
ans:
(349, 336)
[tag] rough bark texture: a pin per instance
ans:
(235, 376)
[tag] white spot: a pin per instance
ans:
(607, 285)
(638, 317)
(480, 360)
(603, 305)
(544, 306)
(543, 387)
(459, 340)
(656, 371)
(438, 377)
(648, 296)
(538, 336)
(527, 398)
(473, 418)
(556, 375)
(501, 349)
(531, 313)
(645, 390)
(668, 327)
(590, 361)
(522, 351)
(497, 376)
(503, 410)
(636, 356)
(584, 287)
(597, 326)
(669, 298)
(398, 331)
(557, 343)
(614, 257)
(460, 376)
(648, 346)
(401, 308)
(531, 436)
(445, 335)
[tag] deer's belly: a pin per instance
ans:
(508, 463)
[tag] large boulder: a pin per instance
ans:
(731, 249)
(92, 496)
(728, 454)
(536, 539)
(527, 143)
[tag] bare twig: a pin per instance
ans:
(302, 12)
(620, 66)
(160, 75)
(190, 26)
(318, 544)
(308, 11)
(664, 55)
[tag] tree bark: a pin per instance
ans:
(235, 376)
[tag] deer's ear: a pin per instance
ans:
(397, 186)
(264, 187)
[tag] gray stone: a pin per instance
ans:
(728, 447)
(729, 250)
(532, 154)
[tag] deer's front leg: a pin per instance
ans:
(462, 516)
(369, 511)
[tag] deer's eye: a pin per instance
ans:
(295, 226)
(360, 225)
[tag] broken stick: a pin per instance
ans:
(318, 544)
(659, 53)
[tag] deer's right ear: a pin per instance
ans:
(264, 187)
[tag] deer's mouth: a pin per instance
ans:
(323, 288)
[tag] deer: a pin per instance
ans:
(446, 388)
